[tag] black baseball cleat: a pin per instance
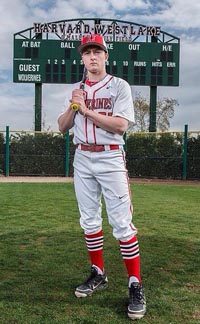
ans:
(93, 283)
(137, 302)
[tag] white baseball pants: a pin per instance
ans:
(97, 173)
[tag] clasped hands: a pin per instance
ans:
(78, 101)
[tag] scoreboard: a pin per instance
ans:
(58, 61)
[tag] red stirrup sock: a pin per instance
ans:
(131, 256)
(94, 244)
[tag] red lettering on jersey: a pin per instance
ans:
(99, 103)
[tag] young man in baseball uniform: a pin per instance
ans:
(105, 110)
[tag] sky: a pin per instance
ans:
(177, 17)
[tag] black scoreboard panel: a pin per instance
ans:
(56, 61)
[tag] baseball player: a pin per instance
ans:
(100, 114)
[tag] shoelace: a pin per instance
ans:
(92, 276)
(136, 294)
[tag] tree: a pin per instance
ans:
(164, 112)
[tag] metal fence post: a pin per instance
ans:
(7, 152)
(185, 152)
(67, 154)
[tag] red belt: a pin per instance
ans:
(97, 148)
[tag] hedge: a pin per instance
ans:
(147, 155)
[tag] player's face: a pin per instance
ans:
(94, 59)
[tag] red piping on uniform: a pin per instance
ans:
(86, 133)
(129, 189)
(94, 126)
(85, 123)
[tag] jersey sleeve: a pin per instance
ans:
(123, 100)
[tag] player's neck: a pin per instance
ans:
(94, 77)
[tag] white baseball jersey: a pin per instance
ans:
(111, 97)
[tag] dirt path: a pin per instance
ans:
(35, 179)
(67, 179)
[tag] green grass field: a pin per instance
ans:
(43, 257)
